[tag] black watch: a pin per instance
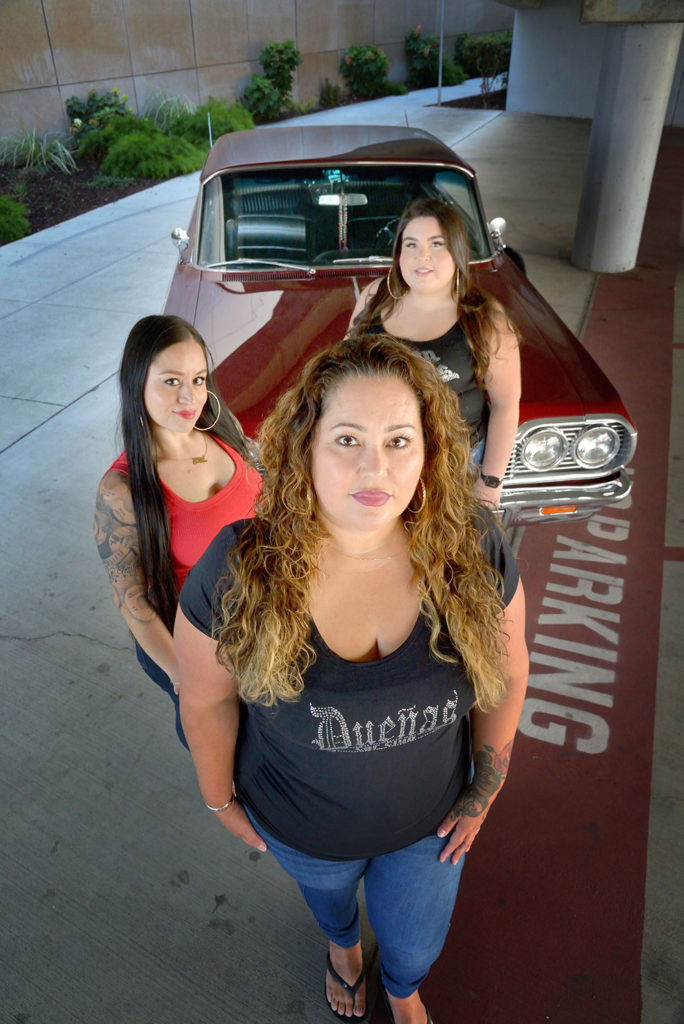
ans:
(490, 481)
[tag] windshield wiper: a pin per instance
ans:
(364, 259)
(251, 261)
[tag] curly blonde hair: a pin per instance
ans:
(480, 316)
(264, 635)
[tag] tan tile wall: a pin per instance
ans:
(54, 49)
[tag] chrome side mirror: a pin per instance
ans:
(497, 227)
(181, 240)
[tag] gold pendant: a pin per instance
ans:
(197, 459)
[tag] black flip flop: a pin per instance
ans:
(389, 1008)
(349, 989)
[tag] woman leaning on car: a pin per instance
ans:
(429, 301)
(184, 473)
(353, 661)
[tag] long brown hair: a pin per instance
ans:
(479, 315)
(264, 635)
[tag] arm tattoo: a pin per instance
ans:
(116, 536)
(491, 768)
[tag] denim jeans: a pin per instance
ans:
(159, 676)
(410, 898)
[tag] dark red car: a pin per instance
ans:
(292, 222)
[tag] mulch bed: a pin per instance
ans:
(495, 101)
(52, 197)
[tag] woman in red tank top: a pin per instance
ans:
(186, 471)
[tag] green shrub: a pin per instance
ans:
(331, 95)
(165, 110)
(14, 222)
(280, 61)
(463, 55)
(95, 111)
(422, 54)
(194, 127)
(263, 100)
(142, 154)
(45, 152)
(492, 56)
(393, 88)
(365, 68)
(95, 145)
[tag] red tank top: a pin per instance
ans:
(194, 524)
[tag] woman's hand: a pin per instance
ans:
(464, 821)
(490, 496)
(236, 821)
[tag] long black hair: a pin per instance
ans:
(149, 337)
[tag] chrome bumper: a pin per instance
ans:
(520, 505)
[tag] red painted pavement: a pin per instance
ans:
(548, 924)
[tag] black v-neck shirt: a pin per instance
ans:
(372, 755)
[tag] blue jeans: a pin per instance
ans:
(410, 898)
(159, 676)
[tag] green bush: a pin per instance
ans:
(393, 88)
(95, 145)
(422, 54)
(463, 55)
(14, 222)
(95, 111)
(492, 57)
(144, 154)
(263, 100)
(45, 152)
(194, 127)
(331, 95)
(364, 69)
(280, 61)
(165, 110)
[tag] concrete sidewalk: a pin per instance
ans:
(121, 898)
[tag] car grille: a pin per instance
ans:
(569, 467)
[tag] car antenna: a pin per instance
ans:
(209, 127)
(406, 117)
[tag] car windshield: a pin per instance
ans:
(324, 215)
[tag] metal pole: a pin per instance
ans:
(441, 51)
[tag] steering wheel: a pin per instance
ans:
(384, 236)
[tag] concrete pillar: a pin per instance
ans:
(634, 86)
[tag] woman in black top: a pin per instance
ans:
(365, 632)
(430, 301)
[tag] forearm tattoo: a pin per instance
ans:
(116, 536)
(491, 768)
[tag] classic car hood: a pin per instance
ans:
(285, 321)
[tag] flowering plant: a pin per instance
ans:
(364, 69)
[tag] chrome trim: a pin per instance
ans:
(571, 427)
(523, 505)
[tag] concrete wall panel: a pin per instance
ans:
(269, 21)
(220, 31)
(89, 40)
(159, 43)
(173, 83)
(312, 73)
(352, 25)
(225, 81)
(26, 58)
(39, 109)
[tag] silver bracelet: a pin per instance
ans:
(217, 810)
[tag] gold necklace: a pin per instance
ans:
(196, 459)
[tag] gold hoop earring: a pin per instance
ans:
(389, 286)
(421, 484)
(458, 284)
(218, 414)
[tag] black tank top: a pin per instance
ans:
(451, 356)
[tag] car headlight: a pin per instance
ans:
(543, 449)
(597, 446)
